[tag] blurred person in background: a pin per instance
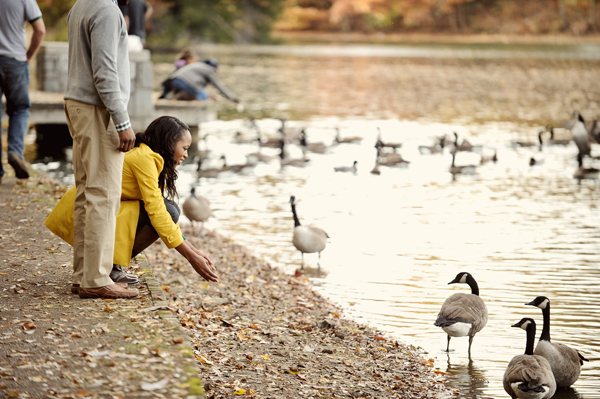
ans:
(14, 74)
(137, 13)
(189, 82)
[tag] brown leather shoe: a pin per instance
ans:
(75, 287)
(112, 291)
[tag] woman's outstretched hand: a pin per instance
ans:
(199, 261)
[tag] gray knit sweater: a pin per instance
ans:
(99, 58)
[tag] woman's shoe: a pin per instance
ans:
(118, 275)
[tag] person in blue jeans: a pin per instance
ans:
(189, 82)
(14, 74)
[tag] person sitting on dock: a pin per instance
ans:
(189, 82)
(147, 210)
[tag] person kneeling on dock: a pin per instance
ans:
(189, 82)
(147, 209)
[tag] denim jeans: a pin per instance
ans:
(14, 84)
(180, 85)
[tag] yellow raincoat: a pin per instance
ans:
(140, 182)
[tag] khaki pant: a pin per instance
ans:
(98, 167)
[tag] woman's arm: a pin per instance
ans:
(199, 261)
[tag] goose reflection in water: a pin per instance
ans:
(468, 378)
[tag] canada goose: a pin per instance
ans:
(586, 173)
(346, 140)
(380, 144)
(300, 162)
(392, 159)
(464, 169)
(346, 168)
(233, 168)
(565, 361)
(463, 314)
(240, 139)
(527, 144)
(312, 147)
(437, 148)
(581, 136)
(207, 173)
(594, 131)
(493, 158)
(533, 161)
(554, 141)
(196, 209)
(307, 239)
(288, 133)
(529, 376)
(465, 145)
(258, 156)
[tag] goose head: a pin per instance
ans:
(525, 323)
(578, 116)
(193, 192)
(461, 278)
(293, 200)
(550, 129)
(541, 302)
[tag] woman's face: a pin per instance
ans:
(181, 147)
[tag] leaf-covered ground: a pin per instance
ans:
(265, 334)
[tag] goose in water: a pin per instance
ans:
(209, 172)
(528, 144)
(233, 168)
(346, 140)
(565, 361)
(392, 159)
(437, 148)
(196, 209)
(464, 169)
(312, 147)
(581, 137)
(465, 145)
(376, 170)
(554, 141)
(346, 168)
(529, 376)
(299, 162)
(486, 159)
(379, 144)
(463, 314)
(307, 239)
(288, 133)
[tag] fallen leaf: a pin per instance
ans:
(29, 325)
(108, 309)
(378, 338)
(240, 391)
(178, 340)
(147, 386)
(75, 335)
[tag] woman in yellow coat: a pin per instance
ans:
(147, 209)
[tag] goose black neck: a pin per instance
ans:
(296, 220)
(453, 159)
(473, 284)
(580, 118)
(530, 339)
(546, 328)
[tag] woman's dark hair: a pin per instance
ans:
(161, 136)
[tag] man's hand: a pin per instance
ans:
(126, 140)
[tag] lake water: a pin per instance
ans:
(398, 238)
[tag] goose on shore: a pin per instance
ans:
(529, 376)
(351, 169)
(196, 209)
(346, 140)
(307, 239)
(565, 361)
(463, 314)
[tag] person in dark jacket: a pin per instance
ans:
(189, 82)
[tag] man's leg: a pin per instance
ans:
(16, 89)
(98, 199)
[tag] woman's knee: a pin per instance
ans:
(173, 210)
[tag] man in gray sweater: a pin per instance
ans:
(96, 108)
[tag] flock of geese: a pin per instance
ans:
(534, 375)
(311, 239)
